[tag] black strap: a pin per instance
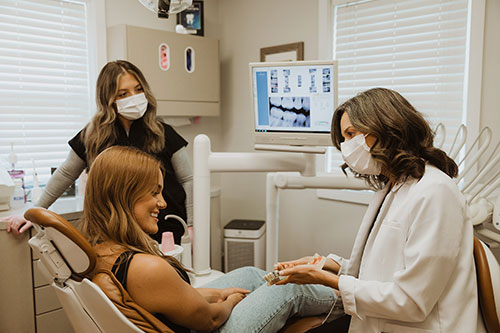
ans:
(120, 267)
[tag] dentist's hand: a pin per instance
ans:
(17, 224)
(309, 274)
(292, 263)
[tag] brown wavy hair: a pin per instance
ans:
(404, 139)
(101, 131)
(119, 177)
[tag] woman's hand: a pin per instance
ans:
(330, 264)
(235, 298)
(308, 274)
(17, 224)
(214, 295)
(225, 293)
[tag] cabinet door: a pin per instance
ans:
(176, 83)
(16, 287)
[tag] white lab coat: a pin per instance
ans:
(414, 272)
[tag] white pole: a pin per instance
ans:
(272, 198)
(295, 181)
(256, 162)
(201, 206)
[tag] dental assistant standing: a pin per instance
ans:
(412, 267)
(126, 116)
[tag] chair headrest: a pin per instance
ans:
(73, 247)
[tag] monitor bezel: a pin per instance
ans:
(293, 138)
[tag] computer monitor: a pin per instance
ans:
(293, 102)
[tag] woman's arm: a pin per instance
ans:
(64, 176)
(184, 173)
(155, 285)
(59, 182)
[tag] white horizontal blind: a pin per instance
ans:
(44, 81)
(417, 48)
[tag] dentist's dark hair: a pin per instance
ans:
(404, 139)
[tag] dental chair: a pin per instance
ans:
(101, 304)
(67, 259)
(488, 283)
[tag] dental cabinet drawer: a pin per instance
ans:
(46, 299)
(53, 322)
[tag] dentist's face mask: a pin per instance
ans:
(132, 107)
(356, 154)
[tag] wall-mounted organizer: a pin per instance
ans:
(182, 70)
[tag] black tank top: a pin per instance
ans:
(120, 270)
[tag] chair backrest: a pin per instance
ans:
(488, 280)
(67, 259)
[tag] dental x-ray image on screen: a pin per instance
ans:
(289, 112)
(293, 102)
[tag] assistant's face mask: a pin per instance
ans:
(132, 107)
(356, 154)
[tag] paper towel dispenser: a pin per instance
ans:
(182, 70)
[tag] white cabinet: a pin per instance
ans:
(182, 70)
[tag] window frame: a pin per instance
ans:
(472, 86)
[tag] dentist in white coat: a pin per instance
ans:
(412, 266)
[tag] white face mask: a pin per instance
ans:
(132, 107)
(356, 154)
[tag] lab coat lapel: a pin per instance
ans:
(364, 230)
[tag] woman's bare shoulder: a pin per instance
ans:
(151, 267)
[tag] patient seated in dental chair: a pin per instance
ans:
(122, 201)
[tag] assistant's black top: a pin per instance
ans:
(173, 192)
(120, 270)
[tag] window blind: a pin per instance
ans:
(44, 81)
(417, 48)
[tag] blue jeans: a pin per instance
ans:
(267, 308)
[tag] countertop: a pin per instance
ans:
(68, 207)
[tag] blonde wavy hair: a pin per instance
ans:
(119, 177)
(101, 131)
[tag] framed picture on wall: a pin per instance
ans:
(285, 52)
(192, 18)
